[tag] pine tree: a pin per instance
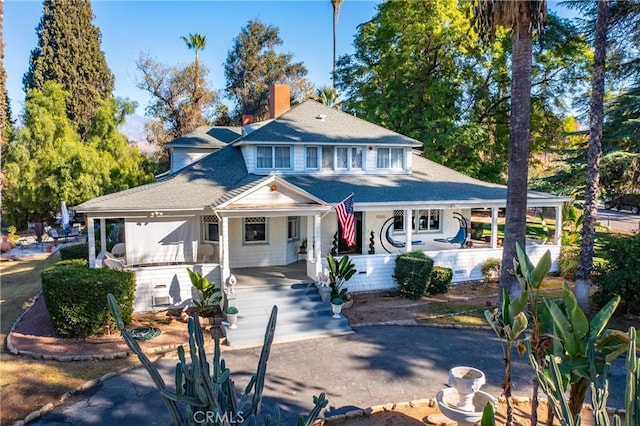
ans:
(69, 53)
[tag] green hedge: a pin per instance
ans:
(413, 273)
(75, 251)
(440, 282)
(76, 297)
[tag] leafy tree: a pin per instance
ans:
(594, 153)
(521, 18)
(407, 69)
(253, 65)
(47, 162)
(69, 53)
(181, 99)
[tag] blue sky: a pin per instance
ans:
(131, 27)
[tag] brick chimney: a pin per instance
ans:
(247, 119)
(279, 100)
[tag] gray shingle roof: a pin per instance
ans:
(313, 122)
(430, 182)
(207, 137)
(222, 175)
(197, 186)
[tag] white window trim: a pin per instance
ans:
(295, 219)
(334, 166)
(390, 149)
(273, 157)
(318, 157)
(206, 220)
(416, 218)
(266, 231)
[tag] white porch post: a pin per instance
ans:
(224, 251)
(408, 229)
(558, 233)
(317, 246)
(103, 235)
(494, 227)
(91, 238)
(311, 256)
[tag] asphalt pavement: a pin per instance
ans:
(373, 366)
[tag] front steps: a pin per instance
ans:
(301, 314)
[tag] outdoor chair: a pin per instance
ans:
(461, 235)
(205, 252)
(119, 250)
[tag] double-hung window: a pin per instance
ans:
(390, 158)
(273, 157)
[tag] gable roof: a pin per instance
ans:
(313, 122)
(207, 137)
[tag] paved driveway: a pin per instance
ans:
(373, 366)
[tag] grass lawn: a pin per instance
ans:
(28, 384)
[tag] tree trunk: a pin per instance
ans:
(519, 132)
(594, 154)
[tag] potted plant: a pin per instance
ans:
(340, 271)
(207, 305)
(303, 246)
(336, 307)
(232, 316)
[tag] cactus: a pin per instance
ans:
(200, 389)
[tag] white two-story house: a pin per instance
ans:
(254, 199)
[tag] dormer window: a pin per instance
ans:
(273, 157)
(390, 158)
(342, 158)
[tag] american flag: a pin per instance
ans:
(344, 211)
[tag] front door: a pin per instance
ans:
(354, 249)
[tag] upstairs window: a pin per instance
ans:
(390, 158)
(342, 158)
(357, 154)
(312, 157)
(270, 157)
(327, 158)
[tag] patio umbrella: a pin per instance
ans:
(64, 220)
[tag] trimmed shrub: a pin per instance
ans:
(413, 272)
(618, 274)
(568, 261)
(491, 269)
(440, 282)
(75, 251)
(76, 297)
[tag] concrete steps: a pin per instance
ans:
(301, 314)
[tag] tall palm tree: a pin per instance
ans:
(524, 19)
(196, 42)
(336, 11)
(594, 154)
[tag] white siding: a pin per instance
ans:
(172, 281)
(182, 157)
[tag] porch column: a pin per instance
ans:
(494, 227)
(103, 235)
(408, 229)
(224, 250)
(311, 256)
(558, 233)
(91, 238)
(317, 243)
